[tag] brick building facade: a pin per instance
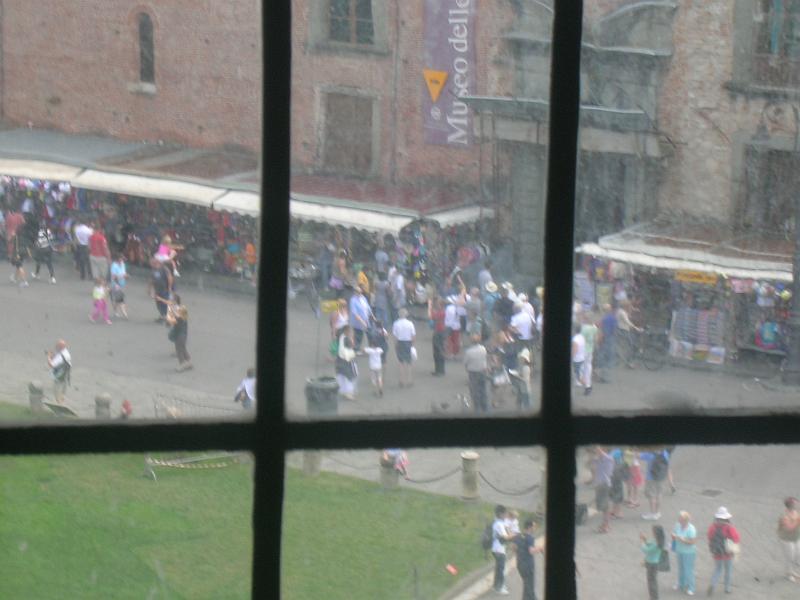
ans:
(77, 67)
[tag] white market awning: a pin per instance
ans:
(243, 203)
(369, 217)
(675, 259)
(461, 215)
(37, 169)
(147, 187)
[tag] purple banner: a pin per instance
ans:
(448, 71)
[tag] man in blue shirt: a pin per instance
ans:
(360, 314)
(607, 347)
(657, 471)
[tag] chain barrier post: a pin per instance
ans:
(102, 406)
(469, 475)
(312, 462)
(35, 395)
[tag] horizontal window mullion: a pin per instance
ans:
(418, 433)
(80, 437)
(687, 429)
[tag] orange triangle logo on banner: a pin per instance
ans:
(435, 81)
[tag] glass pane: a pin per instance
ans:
(411, 523)
(643, 499)
(156, 162)
(159, 525)
(686, 210)
(418, 173)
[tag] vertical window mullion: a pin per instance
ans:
(271, 349)
(559, 233)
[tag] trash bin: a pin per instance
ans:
(322, 396)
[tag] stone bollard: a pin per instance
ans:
(390, 477)
(102, 406)
(469, 475)
(312, 462)
(35, 395)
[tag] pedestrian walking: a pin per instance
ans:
(119, 279)
(522, 379)
(100, 302)
(43, 252)
(178, 320)
(589, 333)
(99, 255)
(82, 233)
(789, 535)
(578, 354)
(380, 297)
(607, 344)
(653, 551)
(375, 355)
(452, 324)
(436, 314)
(360, 317)
(684, 545)
(526, 549)
(500, 536)
(602, 467)
(404, 333)
(246, 392)
(475, 362)
(160, 287)
(635, 478)
(60, 363)
(15, 246)
(723, 543)
(346, 367)
(657, 471)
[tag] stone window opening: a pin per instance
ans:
(348, 141)
(350, 21)
(147, 70)
(776, 46)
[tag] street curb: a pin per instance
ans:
(476, 584)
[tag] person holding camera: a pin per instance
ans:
(60, 363)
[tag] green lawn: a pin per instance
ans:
(347, 539)
(92, 526)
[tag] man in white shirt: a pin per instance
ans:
(82, 234)
(523, 323)
(60, 363)
(452, 324)
(500, 535)
(246, 392)
(404, 332)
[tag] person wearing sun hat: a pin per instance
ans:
(720, 531)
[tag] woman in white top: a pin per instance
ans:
(578, 354)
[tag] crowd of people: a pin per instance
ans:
(493, 330)
(617, 475)
(39, 217)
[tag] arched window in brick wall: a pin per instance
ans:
(147, 59)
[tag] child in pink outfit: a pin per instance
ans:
(100, 299)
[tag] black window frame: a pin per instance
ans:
(271, 435)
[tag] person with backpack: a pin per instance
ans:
(500, 536)
(60, 363)
(723, 543)
(654, 552)
(657, 470)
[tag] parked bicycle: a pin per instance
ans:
(648, 347)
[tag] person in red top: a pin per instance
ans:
(436, 315)
(720, 531)
(15, 228)
(99, 255)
